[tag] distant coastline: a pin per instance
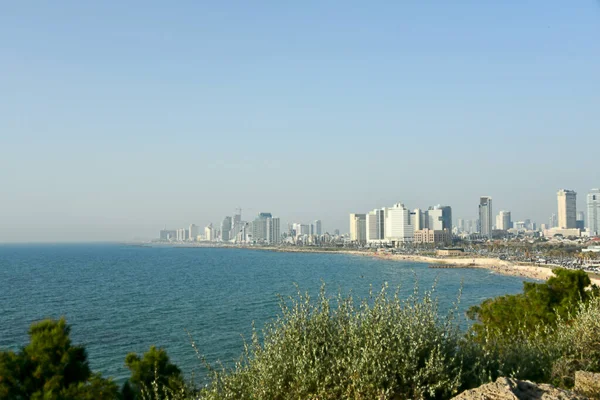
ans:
(496, 265)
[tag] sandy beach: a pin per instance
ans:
(494, 264)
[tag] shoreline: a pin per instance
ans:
(503, 267)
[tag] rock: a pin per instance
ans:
(512, 389)
(588, 384)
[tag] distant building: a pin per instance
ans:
(182, 234)
(259, 227)
(193, 232)
(418, 219)
(236, 226)
(209, 233)
(438, 218)
(485, 216)
(273, 231)
(503, 221)
(553, 221)
(398, 227)
(168, 235)
(318, 227)
(567, 209)
(358, 228)
(450, 252)
(593, 212)
(433, 236)
(226, 227)
(375, 225)
(336, 232)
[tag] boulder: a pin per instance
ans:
(587, 383)
(512, 389)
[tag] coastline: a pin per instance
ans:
(503, 267)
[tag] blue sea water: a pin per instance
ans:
(120, 298)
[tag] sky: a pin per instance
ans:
(117, 120)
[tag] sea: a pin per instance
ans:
(120, 298)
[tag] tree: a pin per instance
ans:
(153, 368)
(49, 367)
(539, 304)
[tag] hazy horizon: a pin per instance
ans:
(122, 119)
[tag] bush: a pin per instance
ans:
(578, 340)
(381, 349)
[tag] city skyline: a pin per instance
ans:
(121, 119)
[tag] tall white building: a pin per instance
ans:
(593, 212)
(358, 227)
(209, 233)
(419, 219)
(485, 216)
(398, 227)
(503, 220)
(567, 209)
(438, 218)
(375, 225)
(273, 230)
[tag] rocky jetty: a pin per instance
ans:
(512, 389)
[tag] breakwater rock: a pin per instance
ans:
(513, 389)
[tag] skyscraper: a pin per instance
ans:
(209, 233)
(438, 218)
(318, 227)
(193, 232)
(259, 227)
(553, 221)
(593, 212)
(273, 231)
(398, 226)
(503, 220)
(485, 216)
(567, 209)
(419, 219)
(358, 228)
(226, 226)
(375, 225)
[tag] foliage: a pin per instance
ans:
(150, 374)
(578, 341)
(540, 304)
(49, 367)
(376, 350)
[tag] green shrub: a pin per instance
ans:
(380, 349)
(578, 340)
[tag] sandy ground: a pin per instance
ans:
(493, 264)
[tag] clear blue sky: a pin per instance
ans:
(118, 119)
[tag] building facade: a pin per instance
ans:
(567, 209)
(433, 236)
(375, 225)
(485, 216)
(593, 212)
(438, 218)
(358, 228)
(503, 221)
(318, 227)
(226, 226)
(273, 230)
(398, 226)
